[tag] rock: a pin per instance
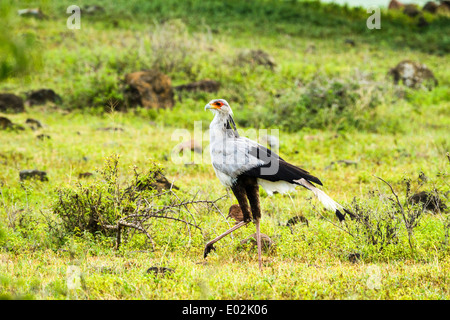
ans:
(157, 181)
(34, 12)
(444, 7)
(85, 175)
(5, 124)
(235, 213)
(160, 271)
(430, 201)
(257, 57)
(395, 5)
(296, 219)
(431, 7)
(149, 89)
(413, 75)
(266, 242)
(354, 257)
(33, 124)
(33, 174)
(43, 137)
(41, 96)
(411, 10)
(206, 85)
(350, 42)
(10, 103)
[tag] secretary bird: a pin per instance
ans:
(243, 164)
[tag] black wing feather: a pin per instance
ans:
(286, 171)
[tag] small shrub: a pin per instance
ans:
(137, 211)
(101, 92)
(95, 208)
(386, 220)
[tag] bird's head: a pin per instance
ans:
(219, 106)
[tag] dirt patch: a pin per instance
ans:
(149, 89)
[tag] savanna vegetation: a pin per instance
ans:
(120, 215)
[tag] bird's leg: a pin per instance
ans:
(209, 246)
(240, 193)
(252, 190)
(258, 242)
(241, 196)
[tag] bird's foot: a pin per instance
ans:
(208, 249)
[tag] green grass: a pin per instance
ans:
(391, 132)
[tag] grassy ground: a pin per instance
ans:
(390, 131)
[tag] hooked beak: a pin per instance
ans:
(208, 106)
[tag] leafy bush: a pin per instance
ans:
(138, 211)
(334, 104)
(95, 208)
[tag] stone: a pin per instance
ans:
(431, 7)
(10, 103)
(33, 123)
(413, 74)
(33, 174)
(429, 201)
(149, 89)
(42, 96)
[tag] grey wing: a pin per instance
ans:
(235, 156)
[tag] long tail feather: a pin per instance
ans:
(327, 202)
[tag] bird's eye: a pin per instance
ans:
(218, 104)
